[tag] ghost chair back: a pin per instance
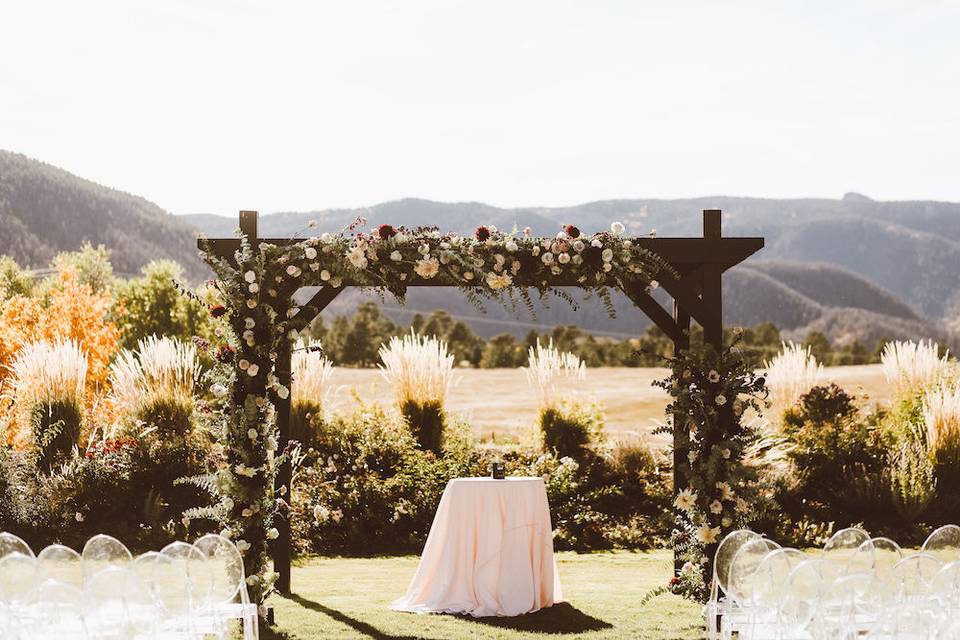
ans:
(101, 552)
(228, 597)
(58, 612)
(10, 543)
(944, 544)
(62, 564)
(119, 605)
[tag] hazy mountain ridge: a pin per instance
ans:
(45, 210)
(895, 264)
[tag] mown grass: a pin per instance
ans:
(344, 598)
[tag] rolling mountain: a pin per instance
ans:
(854, 268)
(45, 210)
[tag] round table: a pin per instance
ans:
(489, 552)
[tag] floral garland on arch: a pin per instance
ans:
(257, 285)
(711, 393)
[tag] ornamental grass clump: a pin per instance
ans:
(311, 371)
(913, 366)
(567, 425)
(153, 385)
(48, 399)
(420, 371)
(941, 421)
(791, 374)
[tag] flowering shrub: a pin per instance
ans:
(367, 488)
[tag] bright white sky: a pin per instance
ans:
(217, 106)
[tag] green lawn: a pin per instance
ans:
(348, 598)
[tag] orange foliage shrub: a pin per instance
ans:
(71, 310)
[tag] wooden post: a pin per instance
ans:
(680, 344)
(712, 286)
(281, 550)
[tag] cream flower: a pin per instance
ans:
(607, 255)
(726, 491)
(716, 507)
(396, 256)
(563, 258)
(243, 546)
(253, 287)
(357, 257)
(324, 275)
(512, 246)
(252, 434)
(310, 253)
(742, 506)
(253, 370)
(273, 534)
(498, 281)
(427, 268)
(721, 400)
(547, 258)
(707, 534)
(617, 228)
(250, 276)
(686, 500)
(713, 376)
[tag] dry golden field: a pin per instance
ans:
(501, 402)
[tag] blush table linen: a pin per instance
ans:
(489, 552)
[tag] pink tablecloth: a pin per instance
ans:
(489, 552)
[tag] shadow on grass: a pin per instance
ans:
(560, 619)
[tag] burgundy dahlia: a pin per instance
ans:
(571, 231)
(386, 231)
(482, 233)
(217, 310)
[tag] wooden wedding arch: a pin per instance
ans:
(695, 287)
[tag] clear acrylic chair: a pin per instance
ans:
(768, 587)
(913, 612)
(945, 592)
(119, 605)
(742, 575)
(193, 615)
(801, 597)
(944, 543)
(876, 555)
(719, 604)
(57, 612)
(19, 575)
(229, 598)
(101, 552)
(850, 607)
(62, 564)
(839, 549)
(10, 543)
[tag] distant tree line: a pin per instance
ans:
(355, 340)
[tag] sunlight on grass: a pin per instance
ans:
(349, 598)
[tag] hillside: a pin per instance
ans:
(45, 210)
(853, 268)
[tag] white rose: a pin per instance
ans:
(310, 253)
(563, 258)
(424, 249)
(253, 288)
(273, 534)
(242, 546)
(547, 258)
(607, 255)
(325, 238)
(249, 323)
(396, 256)
(512, 246)
(218, 390)
(253, 370)
(324, 275)
(283, 392)
(250, 276)
(252, 434)
(616, 228)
